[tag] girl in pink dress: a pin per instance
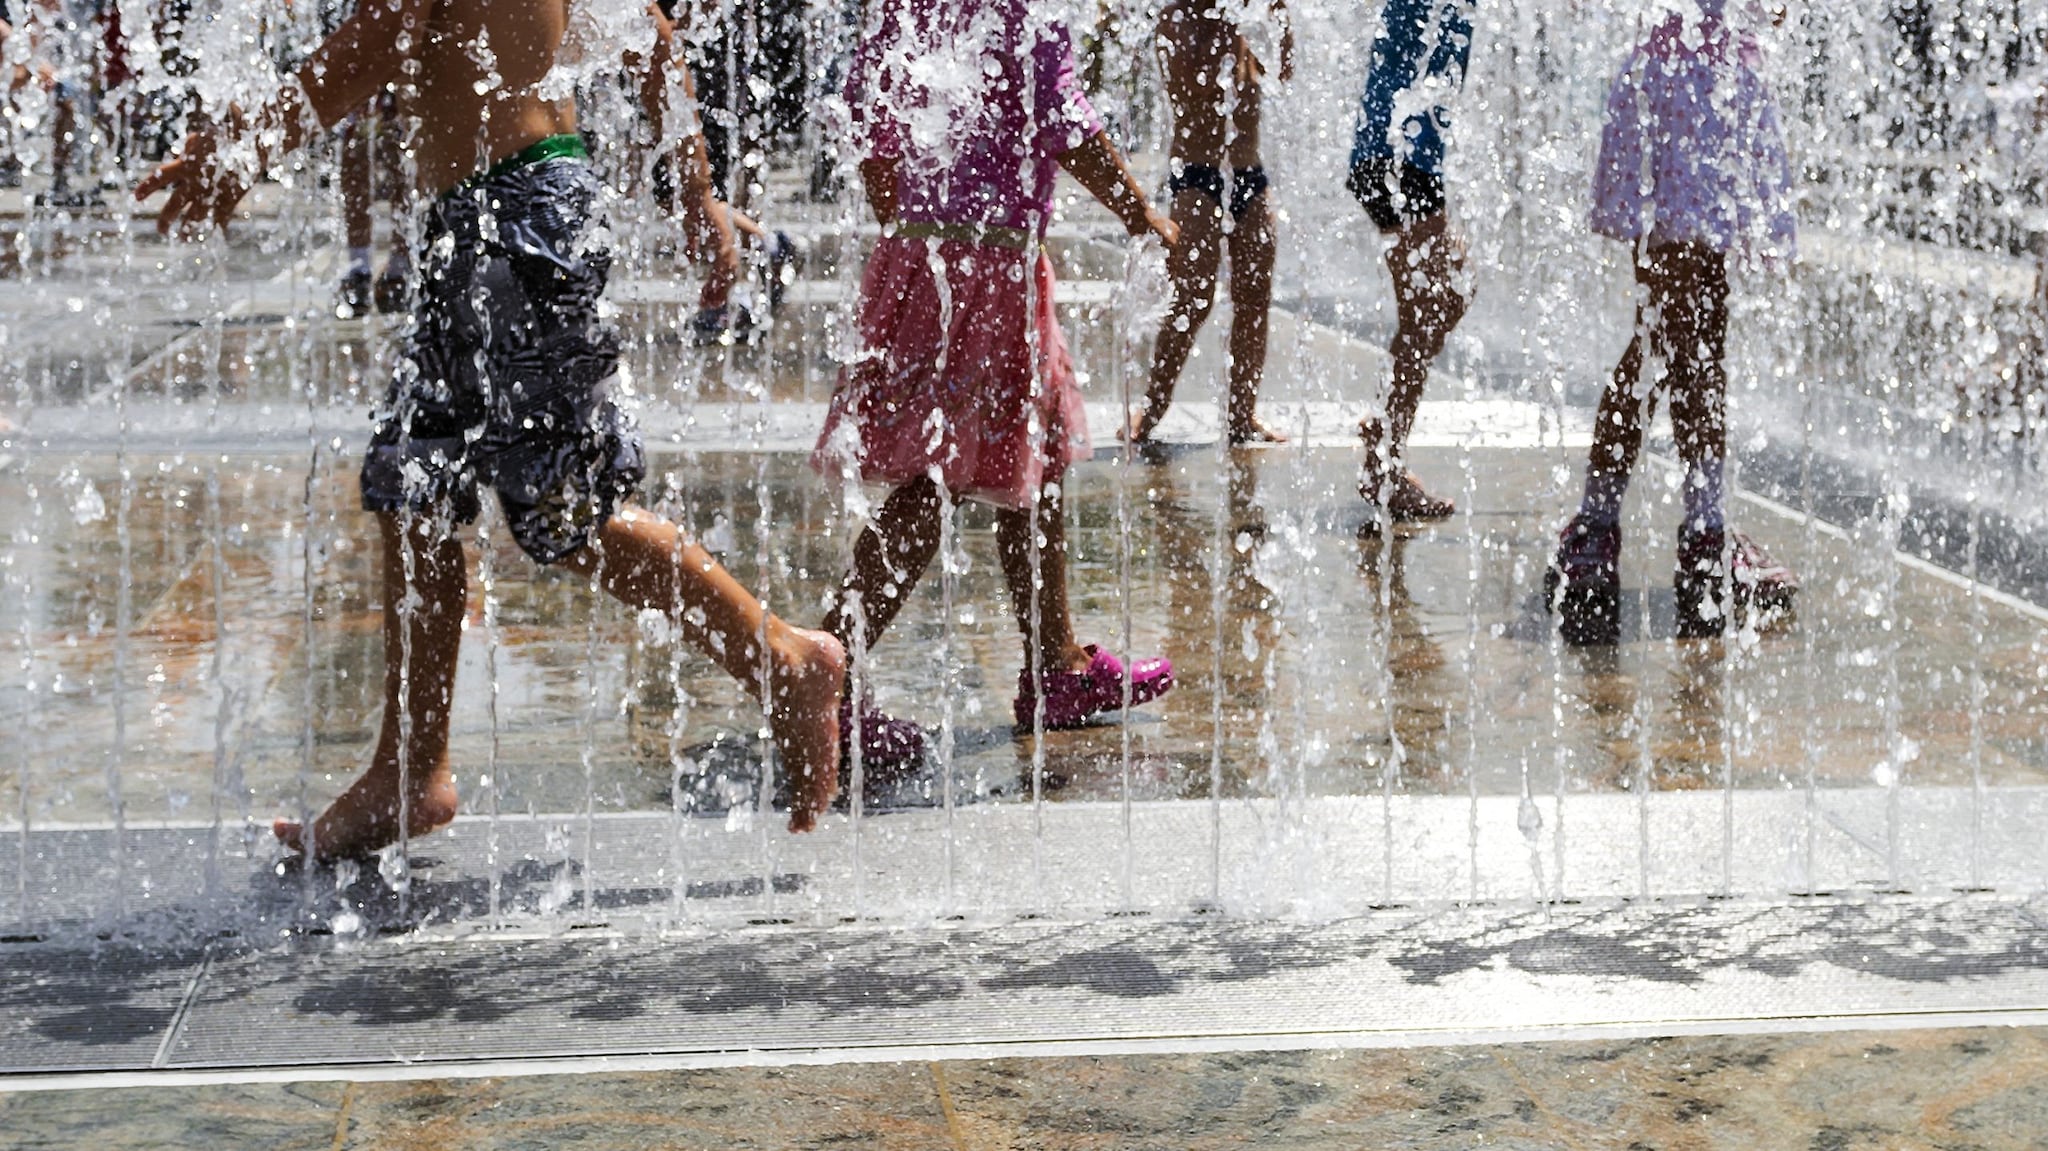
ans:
(1692, 166)
(963, 388)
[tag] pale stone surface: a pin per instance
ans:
(1961, 1090)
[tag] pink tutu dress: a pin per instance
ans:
(962, 372)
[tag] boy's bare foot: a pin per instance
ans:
(1253, 430)
(364, 819)
(809, 676)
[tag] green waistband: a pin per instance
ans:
(546, 148)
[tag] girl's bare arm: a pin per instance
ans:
(1100, 169)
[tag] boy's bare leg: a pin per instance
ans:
(1424, 261)
(888, 559)
(1251, 301)
(1191, 265)
(646, 562)
(365, 818)
(1057, 648)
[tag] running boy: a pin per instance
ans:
(1397, 173)
(502, 382)
(1212, 80)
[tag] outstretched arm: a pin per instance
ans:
(707, 223)
(878, 182)
(1286, 40)
(218, 163)
(1100, 169)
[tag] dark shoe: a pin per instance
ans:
(1583, 583)
(353, 299)
(71, 198)
(1401, 501)
(1395, 496)
(1705, 595)
(1072, 698)
(1699, 584)
(731, 324)
(394, 290)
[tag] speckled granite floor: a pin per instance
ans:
(1949, 1089)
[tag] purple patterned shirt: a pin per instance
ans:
(1692, 150)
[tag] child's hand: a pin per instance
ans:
(1161, 225)
(203, 191)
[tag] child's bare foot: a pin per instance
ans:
(364, 819)
(1253, 430)
(1138, 430)
(810, 674)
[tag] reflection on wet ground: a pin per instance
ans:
(235, 672)
(1248, 571)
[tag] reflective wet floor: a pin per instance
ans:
(198, 640)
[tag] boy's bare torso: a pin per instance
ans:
(504, 48)
(1212, 78)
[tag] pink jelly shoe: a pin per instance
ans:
(1072, 698)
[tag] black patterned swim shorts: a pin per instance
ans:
(502, 380)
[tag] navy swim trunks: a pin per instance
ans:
(1246, 185)
(502, 380)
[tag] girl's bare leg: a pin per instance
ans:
(645, 561)
(365, 818)
(1191, 265)
(1057, 648)
(1251, 300)
(1618, 427)
(1696, 301)
(888, 560)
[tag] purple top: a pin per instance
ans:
(976, 99)
(1692, 136)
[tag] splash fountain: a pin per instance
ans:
(1383, 771)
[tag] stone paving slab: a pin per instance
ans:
(1957, 1089)
(871, 992)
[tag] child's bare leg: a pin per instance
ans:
(1057, 649)
(1251, 300)
(721, 258)
(366, 816)
(1191, 265)
(645, 561)
(888, 559)
(1618, 427)
(1424, 262)
(1696, 325)
(354, 179)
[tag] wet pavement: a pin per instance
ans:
(1311, 660)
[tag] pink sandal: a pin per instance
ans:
(1072, 698)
